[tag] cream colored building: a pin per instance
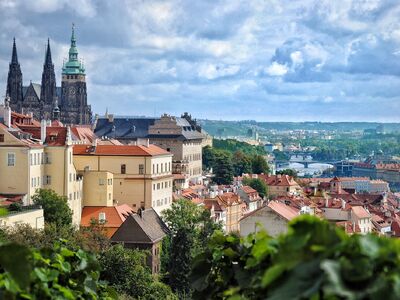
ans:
(141, 175)
(178, 136)
(31, 216)
(28, 164)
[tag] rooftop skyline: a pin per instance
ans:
(262, 60)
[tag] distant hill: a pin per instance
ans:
(240, 128)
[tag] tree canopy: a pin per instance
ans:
(55, 207)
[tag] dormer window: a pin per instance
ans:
(102, 217)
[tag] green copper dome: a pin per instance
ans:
(73, 66)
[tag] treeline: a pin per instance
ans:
(233, 146)
(225, 164)
(343, 148)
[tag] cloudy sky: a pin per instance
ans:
(265, 60)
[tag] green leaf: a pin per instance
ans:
(272, 273)
(15, 259)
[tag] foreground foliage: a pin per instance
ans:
(314, 260)
(58, 273)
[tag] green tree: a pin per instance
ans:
(223, 168)
(289, 172)
(241, 163)
(56, 209)
(190, 229)
(259, 165)
(258, 184)
(126, 271)
(208, 157)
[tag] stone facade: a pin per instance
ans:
(43, 99)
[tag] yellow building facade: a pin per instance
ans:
(141, 175)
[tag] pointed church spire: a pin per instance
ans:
(14, 58)
(47, 60)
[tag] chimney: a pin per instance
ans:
(343, 204)
(326, 202)
(7, 112)
(142, 205)
(43, 131)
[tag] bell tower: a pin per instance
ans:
(73, 107)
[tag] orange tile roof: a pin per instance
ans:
(360, 212)
(125, 150)
(248, 189)
(115, 215)
(283, 210)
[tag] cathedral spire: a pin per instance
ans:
(14, 58)
(47, 60)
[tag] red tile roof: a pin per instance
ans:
(283, 210)
(124, 150)
(360, 212)
(115, 216)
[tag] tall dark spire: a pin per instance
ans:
(14, 57)
(14, 81)
(47, 60)
(48, 88)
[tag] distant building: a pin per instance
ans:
(182, 137)
(31, 215)
(273, 218)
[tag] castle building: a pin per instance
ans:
(68, 101)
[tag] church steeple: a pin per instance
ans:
(14, 57)
(14, 81)
(48, 87)
(73, 66)
(47, 60)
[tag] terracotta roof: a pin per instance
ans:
(125, 150)
(209, 203)
(248, 189)
(278, 180)
(360, 212)
(115, 215)
(229, 198)
(283, 210)
(56, 136)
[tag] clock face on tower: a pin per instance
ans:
(71, 91)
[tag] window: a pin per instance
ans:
(141, 169)
(47, 180)
(70, 196)
(123, 169)
(70, 177)
(166, 167)
(102, 217)
(109, 181)
(157, 168)
(34, 158)
(47, 158)
(109, 196)
(162, 168)
(1, 138)
(32, 182)
(101, 181)
(154, 186)
(154, 169)
(158, 186)
(11, 159)
(70, 157)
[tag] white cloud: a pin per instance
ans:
(276, 69)
(210, 71)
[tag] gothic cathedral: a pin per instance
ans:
(46, 100)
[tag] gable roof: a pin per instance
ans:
(143, 228)
(283, 210)
(360, 212)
